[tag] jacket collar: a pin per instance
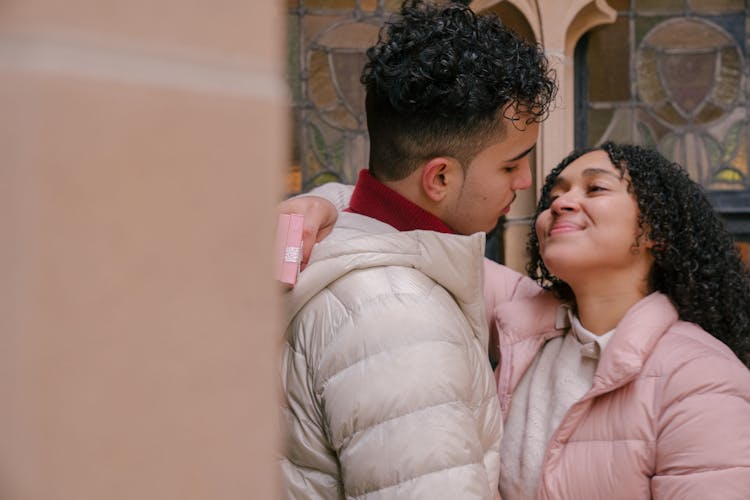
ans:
(453, 261)
(525, 325)
(634, 340)
(515, 323)
(374, 199)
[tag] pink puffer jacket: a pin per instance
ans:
(667, 417)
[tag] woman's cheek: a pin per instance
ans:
(541, 223)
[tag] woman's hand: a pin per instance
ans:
(320, 216)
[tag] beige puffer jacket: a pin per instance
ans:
(666, 418)
(389, 393)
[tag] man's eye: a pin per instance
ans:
(510, 169)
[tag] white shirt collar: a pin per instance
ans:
(592, 345)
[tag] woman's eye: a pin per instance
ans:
(595, 188)
(510, 169)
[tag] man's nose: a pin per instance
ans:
(522, 179)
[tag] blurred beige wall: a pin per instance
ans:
(141, 147)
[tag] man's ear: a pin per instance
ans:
(439, 175)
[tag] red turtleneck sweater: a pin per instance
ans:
(374, 199)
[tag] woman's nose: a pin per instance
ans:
(564, 202)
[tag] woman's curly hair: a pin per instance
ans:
(696, 262)
(437, 79)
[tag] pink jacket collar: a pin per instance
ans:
(632, 343)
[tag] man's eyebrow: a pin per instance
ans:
(516, 158)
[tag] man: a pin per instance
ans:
(388, 392)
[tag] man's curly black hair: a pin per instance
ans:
(438, 80)
(696, 262)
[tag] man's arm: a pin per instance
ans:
(320, 209)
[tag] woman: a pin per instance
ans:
(625, 385)
(623, 380)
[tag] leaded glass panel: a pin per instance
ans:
(609, 79)
(686, 64)
(327, 43)
(619, 4)
(687, 95)
(716, 6)
(660, 6)
(327, 40)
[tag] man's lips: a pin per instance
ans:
(507, 207)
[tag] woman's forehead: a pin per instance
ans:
(589, 165)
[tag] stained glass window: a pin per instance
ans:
(327, 40)
(672, 74)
